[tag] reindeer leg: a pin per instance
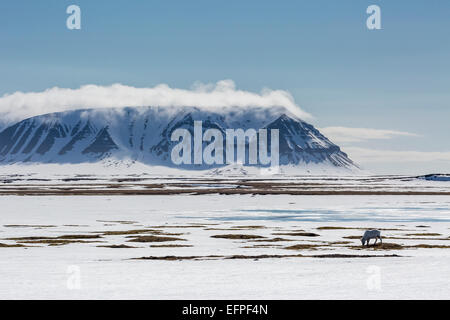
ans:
(376, 239)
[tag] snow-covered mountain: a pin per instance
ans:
(142, 134)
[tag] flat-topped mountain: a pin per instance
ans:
(143, 134)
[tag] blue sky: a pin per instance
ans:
(320, 51)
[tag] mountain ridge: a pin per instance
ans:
(142, 134)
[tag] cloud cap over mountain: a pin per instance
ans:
(21, 105)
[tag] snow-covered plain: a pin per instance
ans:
(222, 268)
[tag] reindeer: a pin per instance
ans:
(371, 234)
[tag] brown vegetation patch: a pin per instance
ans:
(170, 245)
(237, 236)
(257, 257)
(298, 234)
(335, 228)
(395, 246)
(264, 189)
(429, 246)
(80, 236)
(28, 226)
(163, 233)
(257, 246)
(28, 238)
(154, 239)
(336, 255)
(379, 246)
(355, 228)
(417, 238)
(4, 245)
(127, 232)
(138, 231)
(273, 240)
(303, 247)
(248, 227)
(75, 225)
(339, 242)
(174, 258)
(55, 242)
(181, 226)
(65, 237)
(118, 221)
(424, 234)
(118, 246)
(264, 256)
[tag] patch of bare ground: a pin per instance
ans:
(154, 239)
(75, 225)
(257, 246)
(257, 257)
(55, 242)
(4, 245)
(421, 226)
(335, 228)
(214, 257)
(171, 246)
(400, 238)
(355, 228)
(28, 226)
(180, 226)
(297, 234)
(118, 221)
(248, 227)
(57, 191)
(118, 246)
(430, 246)
(423, 234)
(354, 237)
(137, 231)
(395, 246)
(339, 242)
(175, 258)
(126, 232)
(272, 240)
(163, 233)
(303, 247)
(80, 236)
(64, 237)
(336, 255)
(237, 236)
(379, 246)
(263, 256)
(416, 238)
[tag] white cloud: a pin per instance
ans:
(363, 155)
(20, 105)
(344, 134)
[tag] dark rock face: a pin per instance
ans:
(144, 134)
(301, 142)
(77, 136)
(102, 144)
